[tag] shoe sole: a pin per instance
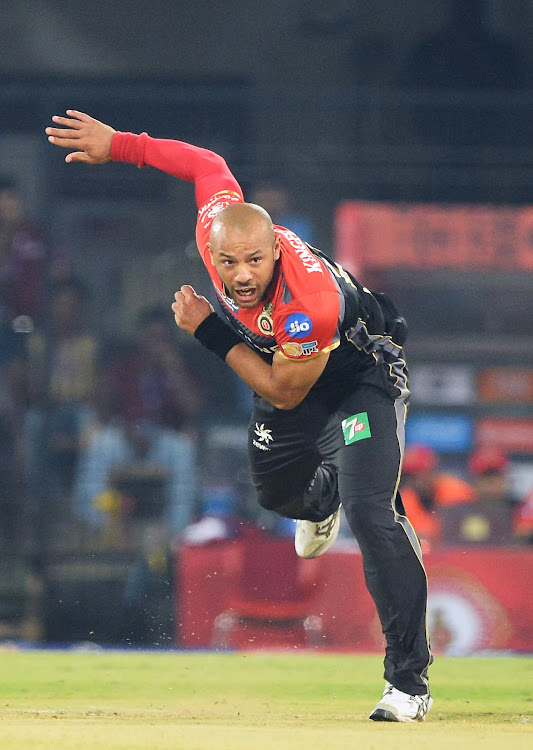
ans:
(328, 541)
(383, 714)
(380, 714)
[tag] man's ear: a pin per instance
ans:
(210, 250)
(277, 248)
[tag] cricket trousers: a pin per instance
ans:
(348, 448)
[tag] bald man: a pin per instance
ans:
(323, 356)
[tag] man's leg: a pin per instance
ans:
(291, 459)
(369, 466)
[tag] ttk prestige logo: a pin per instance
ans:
(264, 437)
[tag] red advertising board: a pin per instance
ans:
(479, 599)
(512, 435)
(506, 384)
(372, 235)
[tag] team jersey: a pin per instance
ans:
(312, 304)
(302, 307)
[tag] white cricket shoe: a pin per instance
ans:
(313, 539)
(397, 706)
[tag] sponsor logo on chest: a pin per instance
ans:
(264, 321)
(298, 325)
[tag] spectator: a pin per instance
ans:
(523, 519)
(488, 467)
(492, 520)
(12, 409)
(425, 489)
(22, 251)
(143, 444)
(62, 370)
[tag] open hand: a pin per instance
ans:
(90, 138)
(190, 309)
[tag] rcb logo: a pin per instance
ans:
(264, 321)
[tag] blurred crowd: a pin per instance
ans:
(98, 437)
(138, 443)
(101, 439)
(475, 508)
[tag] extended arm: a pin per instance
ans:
(96, 143)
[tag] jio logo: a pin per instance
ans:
(298, 325)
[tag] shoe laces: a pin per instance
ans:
(420, 703)
(326, 527)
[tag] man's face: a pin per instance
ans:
(245, 261)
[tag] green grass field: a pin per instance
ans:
(251, 701)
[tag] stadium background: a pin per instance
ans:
(320, 98)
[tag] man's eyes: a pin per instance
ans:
(254, 261)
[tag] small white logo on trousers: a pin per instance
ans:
(264, 437)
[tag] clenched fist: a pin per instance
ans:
(190, 309)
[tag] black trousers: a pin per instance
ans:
(348, 449)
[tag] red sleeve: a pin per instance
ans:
(206, 215)
(308, 325)
(207, 170)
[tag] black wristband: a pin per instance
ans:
(217, 336)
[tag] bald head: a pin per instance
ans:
(244, 250)
(241, 218)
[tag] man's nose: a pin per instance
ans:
(243, 275)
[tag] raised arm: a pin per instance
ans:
(93, 142)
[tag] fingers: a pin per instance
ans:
(80, 115)
(76, 121)
(80, 156)
(71, 128)
(68, 122)
(61, 133)
(185, 295)
(65, 142)
(188, 291)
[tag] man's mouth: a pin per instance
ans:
(244, 294)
